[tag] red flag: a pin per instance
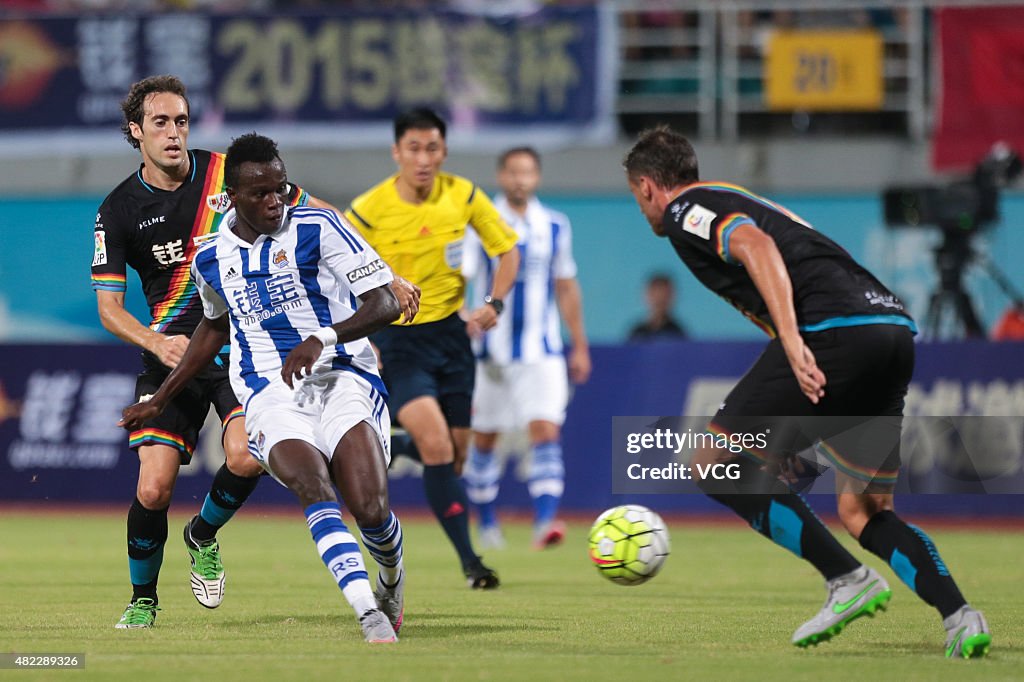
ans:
(981, 93)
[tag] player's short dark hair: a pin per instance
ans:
(133, 104)
(529, 151)
(250, 147)
(660, 279)
(420, 118)
(663, 155)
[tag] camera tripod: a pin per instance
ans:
(951, 260)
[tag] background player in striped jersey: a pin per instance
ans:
(417, 221)
(521, 378)
(153, 222)
(837, 368)
(288, 280)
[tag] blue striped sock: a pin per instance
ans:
(384, 544)
(482, 478)
(340, 554)
(547, 480)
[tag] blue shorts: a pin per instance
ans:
(431, 359)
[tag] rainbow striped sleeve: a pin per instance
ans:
(301, 197)
(725, 228)
(108, 281)
(181, 291)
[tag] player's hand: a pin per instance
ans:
(300, 361)
(579, 365)
(134, 416)
(408, 295)
(805, 368)
(483, 318)
(170, 349)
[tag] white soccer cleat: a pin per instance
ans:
(391, 600)
(490, 537)
(967, 634)
(377, 628)
(858, 593)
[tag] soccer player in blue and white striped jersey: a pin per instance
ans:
(287, 281)
(522, 380)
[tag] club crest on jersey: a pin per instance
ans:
(281, 258)
(698, 221)
(218, 203)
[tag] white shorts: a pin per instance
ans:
(508, 397)
(320, 411)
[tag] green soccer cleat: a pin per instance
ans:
(141, 613)
(967, 634)
(207, 570)
(860, 592)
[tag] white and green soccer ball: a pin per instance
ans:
(629, 544)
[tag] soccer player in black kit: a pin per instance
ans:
(842, 348)
(153, 222)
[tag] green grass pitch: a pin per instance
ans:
(723, 607)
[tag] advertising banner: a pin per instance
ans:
(824, 70)
(963, 436)
(324, 77)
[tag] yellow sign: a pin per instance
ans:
(824, 70)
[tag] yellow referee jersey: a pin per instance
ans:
(423, 242)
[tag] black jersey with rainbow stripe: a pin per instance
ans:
(830, 289)
(157, 232)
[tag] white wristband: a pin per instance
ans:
(327, 336)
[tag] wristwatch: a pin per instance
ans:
(495, 303)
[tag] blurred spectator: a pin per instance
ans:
(659, 325)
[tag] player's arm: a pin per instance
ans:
(209, 337)
(109, 266)
(757, 252)
(122, 324)
(378, 308)
(570, 305)
(498, 239)
(486, 316)
(407, 293)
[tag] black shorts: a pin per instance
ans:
(179, 424)
(431, 359)
(856, 425)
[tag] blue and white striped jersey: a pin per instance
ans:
(284, 287)
(530, 327)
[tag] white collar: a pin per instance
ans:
(231, 217)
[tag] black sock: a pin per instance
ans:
(147, 533)
(403, 444)
(783, 517)
(448, 500)
(228, 492)
(912, 555)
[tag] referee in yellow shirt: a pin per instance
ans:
(416, 220)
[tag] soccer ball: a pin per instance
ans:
(629, 544)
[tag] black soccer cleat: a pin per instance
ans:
(481, 577)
